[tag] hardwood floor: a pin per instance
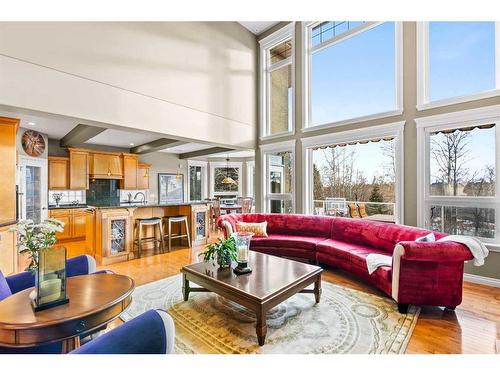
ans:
(473, 328)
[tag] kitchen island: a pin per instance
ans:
(114, 226)
(106, 232)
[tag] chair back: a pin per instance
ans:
(353, 211)
(215, 207)
(362, 210)
(246, 204)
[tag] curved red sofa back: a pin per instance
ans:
(383, 236)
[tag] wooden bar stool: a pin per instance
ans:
(156, 223)
(171, 236)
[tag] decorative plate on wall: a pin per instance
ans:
(33, 143)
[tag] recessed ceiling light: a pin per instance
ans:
(131, 144)
(31, 123)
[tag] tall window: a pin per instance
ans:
(197, 179)
(250, 178)
(279, 179)
(352, 70)
(277, 83)
(355, 173)
(460, 193)
(457, 60)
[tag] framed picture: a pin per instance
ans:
(170, 188)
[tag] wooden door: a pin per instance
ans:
(143, 176)
(58, 173)
(8, 253)
(130, 165)
(79, 169)
(66, 217)
(8, 130)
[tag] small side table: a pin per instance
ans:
(94, 301)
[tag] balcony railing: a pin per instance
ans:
(383, 211)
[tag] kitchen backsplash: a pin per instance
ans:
(103, 192)
(67, 196)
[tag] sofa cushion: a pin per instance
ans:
(288, 241)
(382, 236)
(258, 229)
(343, 249)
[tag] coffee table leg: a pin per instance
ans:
(317, 289)
(71, 344)
(261, 327)
(185, 287)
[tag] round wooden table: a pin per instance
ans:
(94, 301)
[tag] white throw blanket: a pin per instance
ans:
(476, 247)
(374, 261)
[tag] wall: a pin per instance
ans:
(492, 267)
(193, 80)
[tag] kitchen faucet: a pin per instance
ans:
(143, 200)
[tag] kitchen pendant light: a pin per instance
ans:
(228, 180)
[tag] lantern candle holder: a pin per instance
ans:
(242, 241)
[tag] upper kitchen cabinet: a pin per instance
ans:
(106, 165)
(78, 169)
(130, 166)
(143, 176)
(8, 129)
(59, 173)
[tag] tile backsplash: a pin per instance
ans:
(68, 196)
(124, 194)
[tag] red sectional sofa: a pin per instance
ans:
(422, 273)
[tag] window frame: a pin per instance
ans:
(455, 120)
(395, 130)
(204, 182)
(308, 50)
(266, 44)
(224, 164)
(423, 70)
(267, 196)
(250, 188)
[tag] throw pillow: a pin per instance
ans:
(258, 229)
(429, 238)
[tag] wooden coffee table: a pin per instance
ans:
(272, 281)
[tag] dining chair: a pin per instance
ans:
(362, 210)
(353, 211)
(214, 212)
(246, 204)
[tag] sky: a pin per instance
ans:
(356, 77)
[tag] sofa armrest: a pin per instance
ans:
(20, 281)
(440, 251)
(152, 332)
(433, 252)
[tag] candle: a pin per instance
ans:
(242, 252)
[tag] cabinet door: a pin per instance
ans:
(129, 172)
(79, 170)
(79, 224)
(115, 165)
(143, 177)
(106, 165)
(58, 173)
(66, 217)
(7, 252)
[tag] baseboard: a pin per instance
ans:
(490, 281)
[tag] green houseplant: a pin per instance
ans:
(222, 252)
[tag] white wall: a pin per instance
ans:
(192, 80)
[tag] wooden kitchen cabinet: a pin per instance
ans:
(78, 169)
(79, 224)
(58, 173)
(130, 166)
(8, 130)
(143, 176)
(66, 217)
(8, 251)
(106, 165)
(78, 236)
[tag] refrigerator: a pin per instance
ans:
(32, 188)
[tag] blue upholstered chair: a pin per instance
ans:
(80, 265)
(152, 332)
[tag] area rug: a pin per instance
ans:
(345, 321)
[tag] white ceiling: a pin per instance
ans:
(258, 27)
(120, 138)
(188, 147)
(235, 154)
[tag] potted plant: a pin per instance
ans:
(222, 252)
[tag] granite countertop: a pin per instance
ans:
(68, 206)
(7, 222)
(139, 205)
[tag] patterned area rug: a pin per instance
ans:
(345, 321)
